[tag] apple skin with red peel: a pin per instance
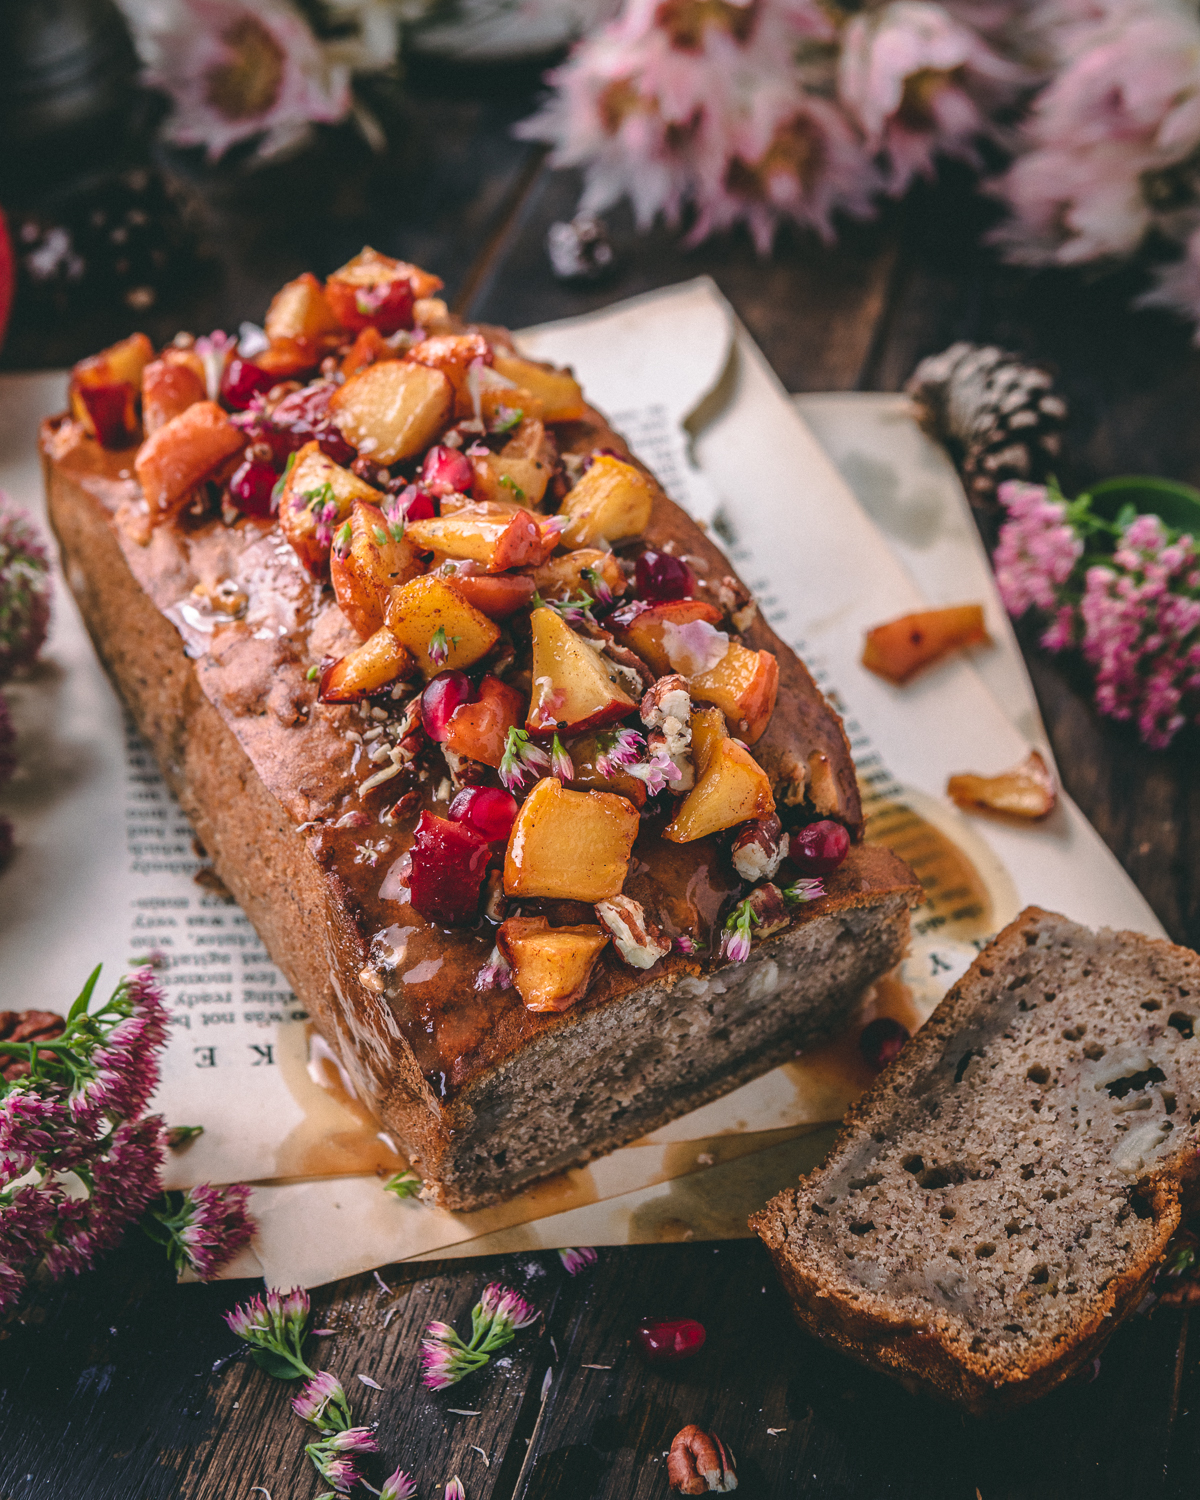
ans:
(574, 687)
(449, 861)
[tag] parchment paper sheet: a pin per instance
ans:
(107, 870)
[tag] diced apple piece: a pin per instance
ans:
(552, 966)
(743, 685)
(584, 753)
(374, 289)
(1027, 791)
(431, 313)
(611, 501)
(392, 410)
(431, 618)
(105, 389)
(367, 349)
(170, 386)
(316, 499)
(496, 595)
(453, 354)
(574, 687)
(558, 390)
(899, 649)
(300, 310)
(731, 787)
(645, 632)
(479, 730)
(573, 846)
(368, 669)
(559, 576)
(520, 471)
(370, 557)
(479, 535)
(182, 454)
(449, 861)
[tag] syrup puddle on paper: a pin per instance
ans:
(338, 1136)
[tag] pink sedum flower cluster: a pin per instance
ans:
(1134, 613)
(496, 1319)
(768, 111)
(79, 1158)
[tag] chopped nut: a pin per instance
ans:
(792, 781)
(639, 941)
(371, 979)
(699, 1463)
(759, 849)
(770, 910)
(495, 906)
(464, 772)
(822, 783)
(735, 599)
(635, 675)
(666, 710)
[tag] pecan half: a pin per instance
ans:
(25, 1026)
(666, 711)
(699, 1463)
(638, 940)
(759, 849)
(770, 908)
(495, 904)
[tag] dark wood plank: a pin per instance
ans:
(845, 1432)
(814, 309)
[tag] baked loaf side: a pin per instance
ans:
(510, 1002)
(1002, 1196)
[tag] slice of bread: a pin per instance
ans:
(1002, 1196)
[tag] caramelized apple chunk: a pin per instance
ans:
(558, 390)
(477, 533)
(479, 730)
(392, 409)
(370, 557)
(105, 388)
(586, 570)
(899, 649)
(170, 385)
(1026, 791)
(611, 501)
(454, 354)
(731, 787)
(182, 454)
(369, 668)
(300, 310)
(496, 595)
(315, 498)
(521, 470)
(551, 966)
(375, 290)
(438, 626)
(743, 685)
(574, 846)
(645, 631)
(575, 688)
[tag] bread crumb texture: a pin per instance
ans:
(1021, 1160)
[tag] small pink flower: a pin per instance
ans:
(321, 1392)
(578, 1259)
(506, 1307)
(353, 1440)
(455, 1491)
(495, 974)
(398, 1486)
(619, 750)
(217, 1226)
(560, 762)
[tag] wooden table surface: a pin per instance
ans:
(120, 1384)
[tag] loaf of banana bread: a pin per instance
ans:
(551, 834)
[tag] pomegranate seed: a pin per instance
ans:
(439, 700)
(449, 862)
(446, 472)
(881, 1041)
(251, 487)
(490, 811)
(661, 577)
(411, 504)
(663, 1339)
(819, 848)
(304, 416)
(243, 380)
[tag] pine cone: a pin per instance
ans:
(999, 417)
